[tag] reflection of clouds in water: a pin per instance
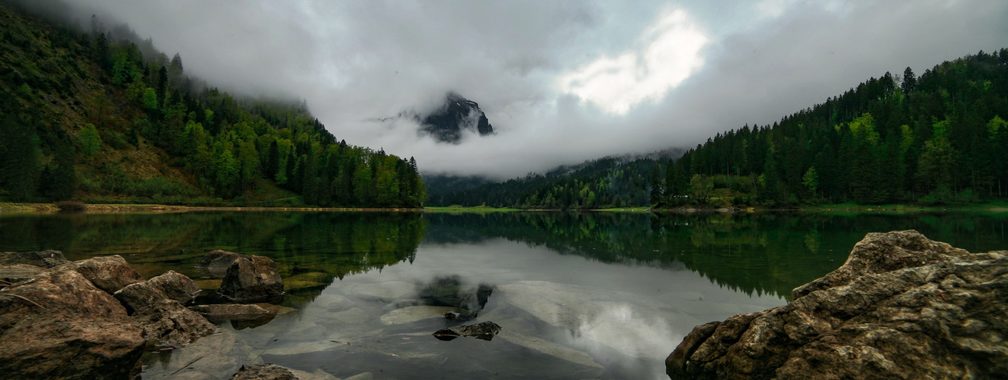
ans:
(624, 328)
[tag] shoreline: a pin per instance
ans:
(13, 208)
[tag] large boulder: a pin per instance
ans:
(108, 273)
(901, 307)
(44, 259)
(165, 322)
(263, 372)
(175, 286)
(13, 273)
(252, 279)
(61, 326)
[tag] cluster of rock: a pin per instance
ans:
(902, 306)
(94, 318)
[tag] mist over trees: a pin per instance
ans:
(936, 138)
(103, 115)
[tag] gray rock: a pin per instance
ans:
(252, 279)
(176, 286)
(108, 273)
(165, 322)
(61, 326)
(263, 372)
(45, 259)
(902, 306)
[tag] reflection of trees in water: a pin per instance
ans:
(754, 253)
(310, 248)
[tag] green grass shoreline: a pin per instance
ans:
(838, 209)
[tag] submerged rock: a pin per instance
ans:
(61, 326)
(252, 279)
(484, 330)
(218, 261)
(902, 306)
(44, 259)
(165, 322)
(264, 372)
(218, 313)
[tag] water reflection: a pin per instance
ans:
(577, 295)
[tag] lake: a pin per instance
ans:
(589, 295)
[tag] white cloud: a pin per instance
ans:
(671, 52)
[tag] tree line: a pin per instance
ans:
(936, 138)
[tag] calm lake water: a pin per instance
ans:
(577, 295)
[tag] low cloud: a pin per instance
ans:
(561, 82)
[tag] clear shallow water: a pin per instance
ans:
(577, 295)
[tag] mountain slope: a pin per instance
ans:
(939, 138)
(102, 116)
(603, 183)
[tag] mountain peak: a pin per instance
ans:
(455, 115)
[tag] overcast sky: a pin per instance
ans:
(561, 81)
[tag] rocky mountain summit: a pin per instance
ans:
(901, 307)
(457, 114)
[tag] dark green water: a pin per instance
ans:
(578, 295)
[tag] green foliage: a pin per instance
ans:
(90, 140)
(165, 136)
(19, 159)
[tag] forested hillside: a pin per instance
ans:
(602, 183)
(101, 116)
(937, 138)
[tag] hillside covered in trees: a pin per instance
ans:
(603, 183)
(934, 139)
(100, 115)
(937, 138)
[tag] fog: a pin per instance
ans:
(561, 82)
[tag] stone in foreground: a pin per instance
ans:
(165, 322)
(252, 279)
(264, 372)
(218, 261)
(902, 306)
(61, 326)
(44, 259)
(108, 273)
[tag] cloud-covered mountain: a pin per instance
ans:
(456, 115)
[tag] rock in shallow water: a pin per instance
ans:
(165, 322)
(175, 286)
(44, 259)
(902, 306)
(218, 261)
(484, 330)
(252, 279)
(218, 313)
